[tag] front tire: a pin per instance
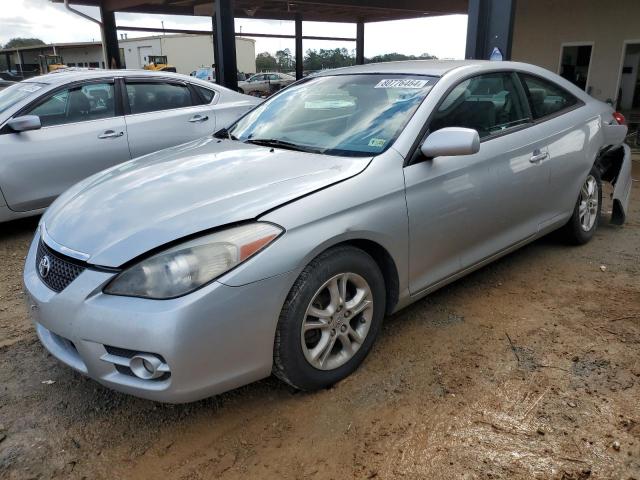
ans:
(330, 319)
(586, 215)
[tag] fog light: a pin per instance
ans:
(146, 366)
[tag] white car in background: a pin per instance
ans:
(56, 130)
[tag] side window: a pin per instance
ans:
(273, 76)
(206, 94)
(79, 104)
(546, 98)
(489, 104)
(155, 96)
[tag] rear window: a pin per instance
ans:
(546, 98)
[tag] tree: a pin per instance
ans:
(23, 42)
(324, 58)
(394, 57)
(266, 62)
(285, 60)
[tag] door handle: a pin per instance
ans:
(199, 118)
(110, 134)
(538, 156)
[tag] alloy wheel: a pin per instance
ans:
(588, 209)
(337, 321)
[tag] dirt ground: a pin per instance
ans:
(528, 368)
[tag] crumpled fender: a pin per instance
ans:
(622, 188)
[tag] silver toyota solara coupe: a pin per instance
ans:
(279, 244)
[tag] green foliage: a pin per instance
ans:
(285, 60)
(23, 42)
(394, 57)
(265, 62)
(322, 59)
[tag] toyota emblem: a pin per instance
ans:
(44, 266)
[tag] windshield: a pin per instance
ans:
(354, 115)
(15, 93)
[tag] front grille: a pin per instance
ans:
(59, 271)
(120, 352)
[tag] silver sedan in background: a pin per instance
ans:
(59, 128)
(279, 244)
(265, 84)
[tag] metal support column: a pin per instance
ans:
(489, 27)
(225, 41)
(360, 42)
(110, 38)
(21, 59)
(299, 53)
(216, 54)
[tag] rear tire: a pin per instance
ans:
(330, 319)
(586, 215)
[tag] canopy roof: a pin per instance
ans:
(311, 10)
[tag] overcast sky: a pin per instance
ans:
(440, 36)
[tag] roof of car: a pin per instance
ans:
(435, 68)
(73, 75)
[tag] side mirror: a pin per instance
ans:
(24, 123)
(451, 141)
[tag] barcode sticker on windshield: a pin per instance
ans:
(401, 83)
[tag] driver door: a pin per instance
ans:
(465, 209)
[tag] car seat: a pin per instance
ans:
(79, 106)
(538, 96)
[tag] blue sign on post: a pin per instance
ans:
(496, 55)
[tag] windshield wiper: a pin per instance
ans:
(224, 133)
(274, 142)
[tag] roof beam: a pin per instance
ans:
(312, 10)
(116, 5)
(238, 34)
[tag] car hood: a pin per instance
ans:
(123, 212)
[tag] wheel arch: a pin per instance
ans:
(385, 263)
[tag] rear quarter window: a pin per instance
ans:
(546, 98)
(206, 94)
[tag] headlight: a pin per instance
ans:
(190, 265)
